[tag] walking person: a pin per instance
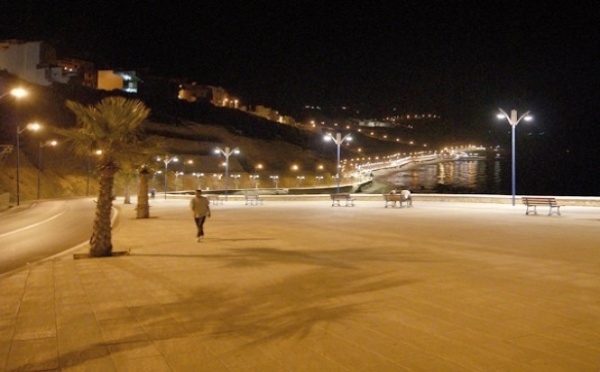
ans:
(200, 209)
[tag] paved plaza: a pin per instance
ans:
(302, 286)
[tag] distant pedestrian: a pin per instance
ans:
(200, 209)
(153, 193)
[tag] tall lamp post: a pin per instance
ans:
(198, 175)
(190, 162)
(256, 169)
(236, 178)
(275, 180)
(42, 145)
(513, 120)
(33, 127)
(177, 174)
(167, 159)
(338, 140)
(227, 152)
(154, 179)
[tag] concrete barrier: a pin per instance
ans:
(451, 198)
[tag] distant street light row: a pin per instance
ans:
(513, 119)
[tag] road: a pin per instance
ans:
(43, 230)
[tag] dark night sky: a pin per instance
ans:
(461, 59)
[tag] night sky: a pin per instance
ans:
(459, 59)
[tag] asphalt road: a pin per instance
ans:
(43, 230)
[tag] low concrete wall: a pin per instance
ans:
(452, 198)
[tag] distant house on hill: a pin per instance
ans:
(193, 92)
(36, 62)
(270, 114)
(126, 81)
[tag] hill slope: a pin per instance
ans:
(191, 131)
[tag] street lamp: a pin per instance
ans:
(154, 178)
(275, 180)
(513, 120)
(42, 145)
(177, 174)
(190, 162)
(258, 166)
(198, 175)
(33, 127)
(167, 159)
(226, 153)
(236, 177)
(16, 92)
(338, 140)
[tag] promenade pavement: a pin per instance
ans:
(302, 286)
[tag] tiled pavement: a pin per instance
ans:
(302, 286)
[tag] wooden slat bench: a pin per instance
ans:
(534, 202)
(403, 197)
(392, 199)
(346, 198)
(253, 199)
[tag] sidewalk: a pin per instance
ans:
(302, 286)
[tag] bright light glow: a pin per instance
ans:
(500, 116)
(18, 92)
(528, 118)
(34, 126)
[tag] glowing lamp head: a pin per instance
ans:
(18, 92)
(34, 127)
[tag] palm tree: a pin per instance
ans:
(113, 126)
(143, 206)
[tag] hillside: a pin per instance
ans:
(191, 131)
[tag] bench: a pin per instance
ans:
(346, 198)
(253, 199)
(534, 202)
(391, 199)
(215, 199)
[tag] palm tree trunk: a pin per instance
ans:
(143, 207)
(127, 199)
(101, 240)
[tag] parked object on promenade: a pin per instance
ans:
(407, 197)
(534, 202)
(346, 198)
(393, 197)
